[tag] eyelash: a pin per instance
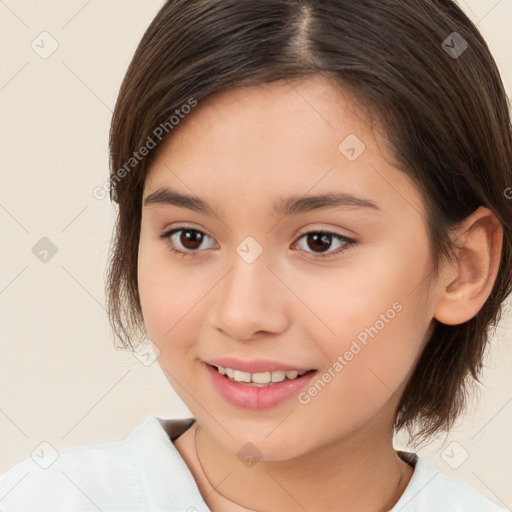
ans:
(349, 242)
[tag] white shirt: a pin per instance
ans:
(146, 473)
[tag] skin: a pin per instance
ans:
(240, 151)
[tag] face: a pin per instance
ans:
(335, 287)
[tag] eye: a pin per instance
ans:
(191, 239)
(321, 241)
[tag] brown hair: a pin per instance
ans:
(445, 115)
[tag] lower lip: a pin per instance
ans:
(253, 397)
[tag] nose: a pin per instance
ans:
(251, 300)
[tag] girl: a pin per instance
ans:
(315, 233)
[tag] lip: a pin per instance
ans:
(255, 365)
(253, 397)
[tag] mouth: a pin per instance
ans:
(258, 391)
(260, 379)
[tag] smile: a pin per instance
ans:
(261, 378)
(250, 394)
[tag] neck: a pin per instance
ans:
(360, 471)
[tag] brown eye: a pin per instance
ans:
(191, 239)
(185, 241)
(319, 242)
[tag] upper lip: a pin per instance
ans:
(255, 365)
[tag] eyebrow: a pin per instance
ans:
(288, 206)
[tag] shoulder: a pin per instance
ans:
(82, 478)
(430, 490)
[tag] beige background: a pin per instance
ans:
(62, 381)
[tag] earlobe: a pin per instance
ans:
(468, 281)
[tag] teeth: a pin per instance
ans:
(259, 378)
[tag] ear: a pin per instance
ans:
(466, 284)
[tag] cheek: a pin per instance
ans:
(374, 320)
(171, 296)
(161, 295)
(367, 367)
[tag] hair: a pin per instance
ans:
(446, 117)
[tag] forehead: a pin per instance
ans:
(300, 110)
(279, 139)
